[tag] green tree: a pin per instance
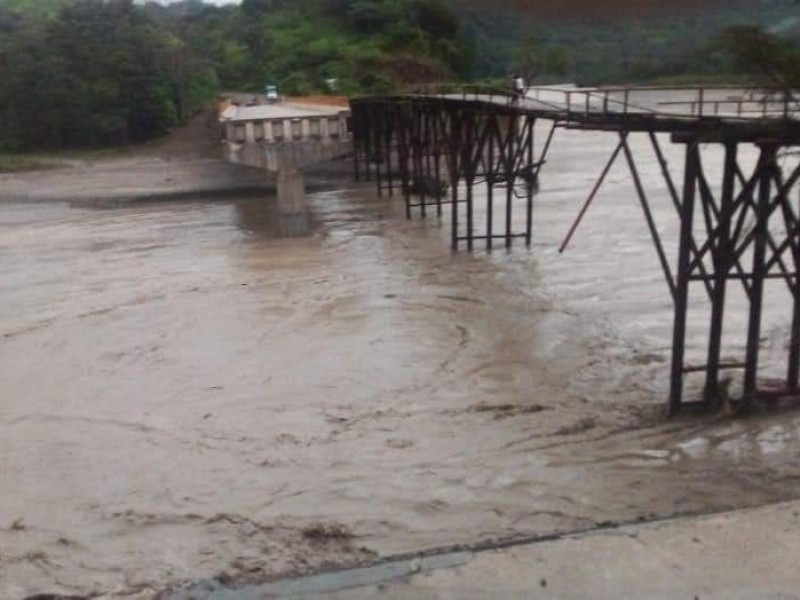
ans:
(764, 57)
(556, 62)
(529, 57)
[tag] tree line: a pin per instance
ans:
(92, 73)
(102, 72)
(619, 42)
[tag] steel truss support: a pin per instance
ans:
(408, 143)
(482, 160)
(742, 222)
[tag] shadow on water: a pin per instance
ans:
(255, 210)
(260, 217)
(263, 192)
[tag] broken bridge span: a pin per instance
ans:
(454, 151)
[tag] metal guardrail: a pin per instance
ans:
(751, 103)
(473, 92)
(702, 101)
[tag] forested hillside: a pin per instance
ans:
(99, 72)
(592, 45)
(92, 73)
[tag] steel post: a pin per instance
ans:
(683, 274)
(766, 168)
(722, 259)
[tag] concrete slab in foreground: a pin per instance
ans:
(751, 553)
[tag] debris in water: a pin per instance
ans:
(323, 532)
(577, 427)
(502, 411)
(399, 444)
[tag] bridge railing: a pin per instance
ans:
(729, 102)
(752, 108)
(705, 101)
(586, 101)
(475, 92)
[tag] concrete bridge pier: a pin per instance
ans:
(291, 192)
(293, 210)
(285, 162)
(283, 139)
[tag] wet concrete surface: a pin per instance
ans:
(187, 394)
(747, 554)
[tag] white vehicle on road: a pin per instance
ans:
(271, 94)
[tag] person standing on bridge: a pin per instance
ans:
(518, 86)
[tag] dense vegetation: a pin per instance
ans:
(595, 46)
(92, 73)
(100, 72)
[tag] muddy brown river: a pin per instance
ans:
(185, 394)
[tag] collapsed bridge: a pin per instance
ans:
(452, 152)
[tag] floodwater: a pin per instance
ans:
(186, 394)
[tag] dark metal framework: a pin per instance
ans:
(750, 233)
(436, 157)
(434, 150)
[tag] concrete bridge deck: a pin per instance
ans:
(284, 138)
